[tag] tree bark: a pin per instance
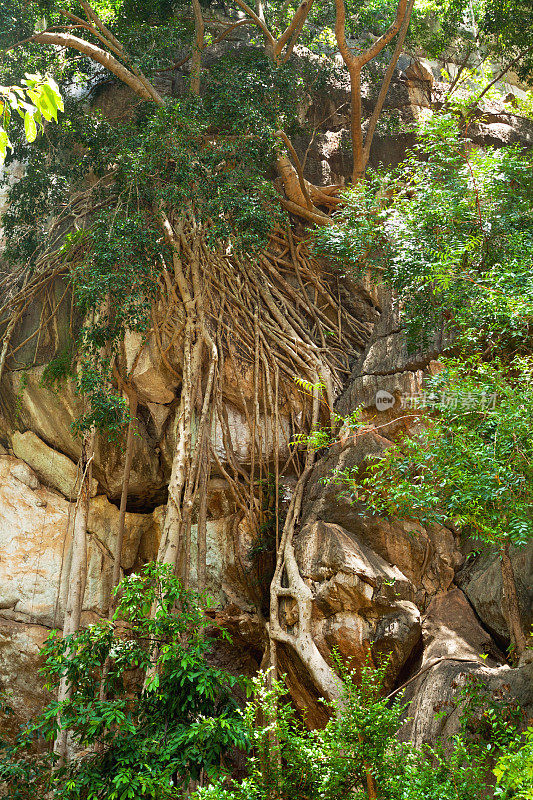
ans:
(124, 496)
(102, 57)
(355, 64)
(198, 46)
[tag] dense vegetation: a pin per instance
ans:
(170, 210)
(148, 740)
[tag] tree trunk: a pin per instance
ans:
(78, 573)
(124, 497)
(518, 637)
(197, 47)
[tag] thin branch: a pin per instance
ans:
(258, 21)
(506, 69)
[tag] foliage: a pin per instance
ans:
(451, 230)
(138, 742)
(360, 743)
(288, 760)
(36, 101)
(514, 770)
(506, 24)
(471, 467)
(209, 157)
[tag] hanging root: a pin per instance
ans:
(237, 330)
(269, 316)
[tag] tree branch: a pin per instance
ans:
(96, 54)
(258, 21)
(296, 23)
(500, 75)
(387, 37)
(386, 83)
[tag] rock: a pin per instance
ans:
(53, 468)
(20, 646)
(348, 633)
(481, 581)
(35, 549)
(148, 373)
(391, 354)
(420, 70)
(426, 556)
(49, 414)
(395, 637)
(347, 575)
(240, 435)
(454, 644)
(103, 523)
(450, 629)
(31, 546)
(23, 473)
(160, 414)
(363, 604)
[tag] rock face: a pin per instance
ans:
(382, 588)
(35, 547)
(362, 602)
(457, 648)
(53, 468)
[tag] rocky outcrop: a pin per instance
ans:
(456, 649)
(54, 469)
(383, 588)
(481, 581)
(362, 602)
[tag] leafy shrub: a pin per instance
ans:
(136, 741)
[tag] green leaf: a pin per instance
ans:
(30, 127)
(4, 144)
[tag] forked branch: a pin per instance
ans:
(275, 46)
(355, 64)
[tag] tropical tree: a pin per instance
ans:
(133, 742)
(454, 241)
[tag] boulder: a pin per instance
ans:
(347, 575)
(103, 524)
(53, 468)
(147, 371)
(36, 542)
(27, 404)
(481, 582)
(454, 647)
(362, 603)
(426, 556)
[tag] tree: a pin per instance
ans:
(470, 468)
(144, 743)
(454, 242)
(204, 213)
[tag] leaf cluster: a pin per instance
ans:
(358, 748)
(136, 741)
(470, 467)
